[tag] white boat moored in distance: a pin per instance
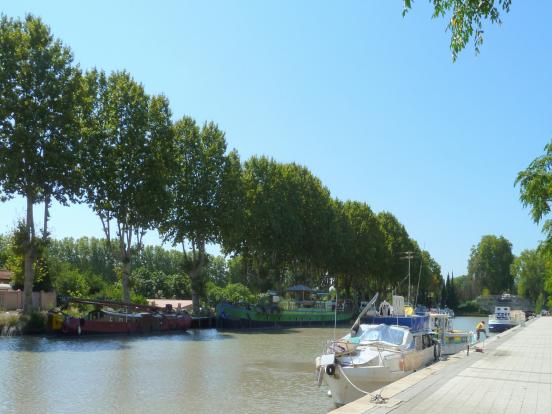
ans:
(504, 319)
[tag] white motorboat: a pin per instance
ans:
(504, 319)
(450, 340)
(377, 356)
(374, 355)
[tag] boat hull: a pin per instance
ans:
(455, 342)
(501, 326)
(133, 325)
(236, 317)
(348, 382)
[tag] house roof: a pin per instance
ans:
(173, 302)
(5, 275)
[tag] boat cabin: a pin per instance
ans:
(502, 312)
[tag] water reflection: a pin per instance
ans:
(100, 343)
(198, 372)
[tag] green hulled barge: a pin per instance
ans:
(304, 308)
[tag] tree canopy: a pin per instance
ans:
(101, 139)
(466, 18)
(127, 159)
(489, 264)
(535, 184)
(40, 93)
(529, 270)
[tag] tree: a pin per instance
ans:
(4, 250)
(430, 280)
(452, 298)
(290, 225)
(529, 270)
(127, 160)
(397, 242)
(465, 289)
(466, 21)
(16, 261)
(368, 250)
(536, 190)
(489, 264)
(39, 124)
(88, 255)
(201, 204)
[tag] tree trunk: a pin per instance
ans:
(125, 241)
(195, 275)
(126, 275)
(47, 202)
(29, 259)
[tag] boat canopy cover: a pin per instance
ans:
(393, 335)
(300, 288)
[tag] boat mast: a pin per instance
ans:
(408, 256)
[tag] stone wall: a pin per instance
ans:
(13, 300)
(488, 303)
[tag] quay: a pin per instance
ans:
(513, 374)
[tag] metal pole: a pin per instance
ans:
(335, 313)
(409, 280)
(408, 255)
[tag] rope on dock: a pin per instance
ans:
(377, 398)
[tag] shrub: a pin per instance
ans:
(114, 292)
(470, 306)
(71, 282)
(35, 323)
(233, 292)
(8, 319)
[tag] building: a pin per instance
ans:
(5, 276)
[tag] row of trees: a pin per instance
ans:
(492, 268)
(89, 137)
(534, 267)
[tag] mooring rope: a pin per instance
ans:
(377, 398)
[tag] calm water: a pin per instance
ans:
(197, 372)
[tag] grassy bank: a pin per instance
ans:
(15, 323)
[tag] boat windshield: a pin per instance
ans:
(383, 333)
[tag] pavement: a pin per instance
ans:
(513, 374)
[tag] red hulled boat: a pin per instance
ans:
(117, 317)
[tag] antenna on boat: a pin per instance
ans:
(419, 276)
(408, 256)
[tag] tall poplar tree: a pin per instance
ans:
(203, 204)
(39, 124)
(129, 149)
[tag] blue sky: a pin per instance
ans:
(368, 100)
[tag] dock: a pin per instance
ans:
(513, 374)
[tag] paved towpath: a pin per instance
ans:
(512, 375)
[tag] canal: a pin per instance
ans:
(201, 371)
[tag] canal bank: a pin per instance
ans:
(513, 374)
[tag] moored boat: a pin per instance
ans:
(305, 308)
(504, 318)
(450, 340)
(374, 355)
(110, 317)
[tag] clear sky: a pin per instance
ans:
(368, 100)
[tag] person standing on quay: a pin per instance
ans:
(480, 328)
